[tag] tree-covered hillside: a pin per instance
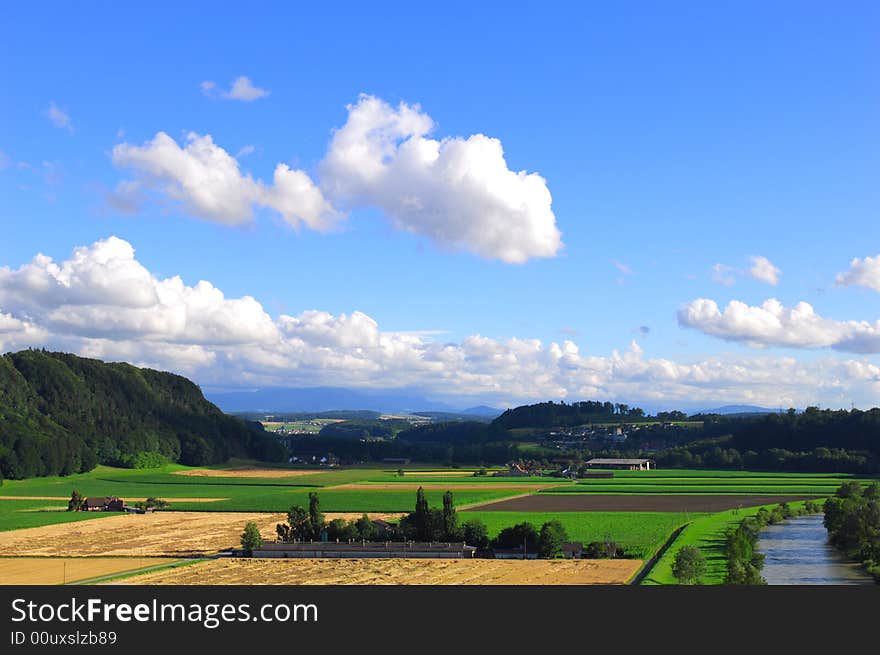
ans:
(62, 414)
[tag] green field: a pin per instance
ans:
(18, 514)
(640, 533)
(708, 482)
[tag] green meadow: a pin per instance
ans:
(641, 534)
(18, 514)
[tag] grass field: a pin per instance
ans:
(640, 533)
(395, 572)
(18, 514)
(65, 570)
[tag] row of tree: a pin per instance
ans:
(852, 518)
(423, 524)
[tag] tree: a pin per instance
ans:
(250, 538)
(689, 565)
(421, 518)
(316, 518)
(298, 525)
(450, 520)
(551, 538)
(474, 533)
(76, 502)
(366, 529)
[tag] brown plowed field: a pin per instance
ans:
(395, 572)
(46, 570)
(629, 503)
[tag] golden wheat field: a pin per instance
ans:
(395, 572)
(60, 570)
(169, 534)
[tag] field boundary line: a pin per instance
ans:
(642, 573)
(132, 572)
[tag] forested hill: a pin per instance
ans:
(550, 414)
(62, 414)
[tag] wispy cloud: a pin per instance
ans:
(242, 89)
(58, 117)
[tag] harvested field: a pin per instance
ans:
(170, 534)
(396, 572)
(60, 570)
(247, 472)
(127, 499)
(630, 503)
(354, 516)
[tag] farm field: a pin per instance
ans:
(395, 572)
(640, 533)
(64, 570)
(631, 503)
(32, 513)
(169, 534)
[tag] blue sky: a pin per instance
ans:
(673, 138)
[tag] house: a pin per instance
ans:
(572, 550)
(514, 470)
(104, 504)
(622, 464)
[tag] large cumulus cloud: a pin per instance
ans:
(457, 192)
(773, 324)
(102, 302)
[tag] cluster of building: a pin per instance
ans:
(111, 504)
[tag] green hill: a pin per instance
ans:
(63, 414)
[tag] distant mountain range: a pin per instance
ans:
(742, 409)
(323, 399)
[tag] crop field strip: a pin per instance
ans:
(67, 570)
(395, 572)
(632, 503)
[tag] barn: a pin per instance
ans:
(622, 464)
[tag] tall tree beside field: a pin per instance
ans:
(689, 565)
(298, 526)
(76, 502)
(421, 518)
(316, 518)
(450, 520)
(250, 538)
(551, 538)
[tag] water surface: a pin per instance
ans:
(796, 552)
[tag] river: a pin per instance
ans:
(796, 552)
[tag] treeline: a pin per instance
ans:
(432, 524)
(63, 414)
(852, 518)
(744, 562)
(364, 429)
(550, 414)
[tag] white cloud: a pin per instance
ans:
(458, 192)
(862, 272)
(763, 270)
(101, 302)
(773, 324)
(208, 182)
(723, 274)
(246, 150)
(58, 117)
(242, 89)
